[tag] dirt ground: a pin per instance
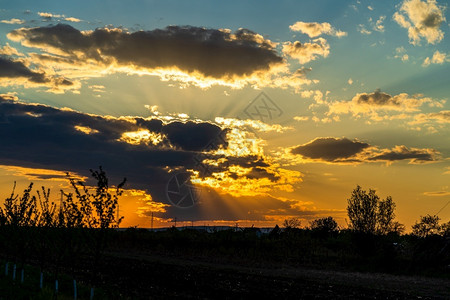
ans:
(143, 276)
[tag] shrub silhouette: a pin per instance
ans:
(33, 227)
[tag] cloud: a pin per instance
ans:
(363, 30)
(307, 52)
(376, 98)
(437, 194)
(7, 50)
(438, 58)
(330, 149)
(13, 72)
(11, 69)
(400, 52)
(314, 29)
(46, 127)
(301, 118)
(72, 19)
(414, 155)
(319, 97)
(191, 136)
(379, 106)
(191, 55)
(344, 150)
(442, 117)
(378, 26)
(49, 16)
(422, 19)
(40, 174)
(148, 151)
(97, 88)
(10, 96)
(12, 21)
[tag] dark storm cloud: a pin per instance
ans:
(14, 69)
(45, 137)
(330, 149)
(211, 52)
(192, 136)
(343, 150)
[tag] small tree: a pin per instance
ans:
(370, 214)
(95, 210)
(327, 225)
(385, 216)
(48, 213)
(106, 203)
(428, 225)
(20, 215)
(362, 210)
(21, 212)
(397, 228)
(292, 223)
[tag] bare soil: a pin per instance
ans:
(148, 276)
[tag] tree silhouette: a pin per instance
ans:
(292, 223)
(428, 225)
(370, 214)
(362, 210)
(326, 225)
(445, 229)
(93, 209)
(385, 216)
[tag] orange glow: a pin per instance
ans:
(141, 137)
(86, 130)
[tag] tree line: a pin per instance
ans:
(72, 236)
(370, 214)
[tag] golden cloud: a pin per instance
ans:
(438, 58)
(307, 52)
(379, 106)
(314, 29)
(422, 19)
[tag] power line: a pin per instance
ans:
(442, 208)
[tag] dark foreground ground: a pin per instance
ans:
(134, 275)
(189, 264)
(157, 277)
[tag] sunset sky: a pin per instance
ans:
(275, 109)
